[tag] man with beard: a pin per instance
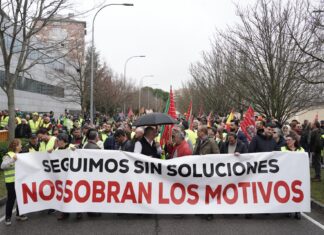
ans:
(240, 135)
(264, 141)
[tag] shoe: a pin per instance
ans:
(62, 216)
(79, 216)
(297, 215)
(289, 215)
(8, 222)
(248, 216)
(178, 216)
(316, 179)
(21, 218)
(51, 211)
(209, 217)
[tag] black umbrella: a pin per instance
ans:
(154, 119)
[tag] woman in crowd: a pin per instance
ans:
(8, 165)
(292, 144)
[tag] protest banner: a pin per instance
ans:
(122, 182)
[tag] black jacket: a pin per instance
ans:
(149, 150)
(240, 147)
(316, 144)
(127, 146)
(22, 131)
(91, 145)
(262, 143)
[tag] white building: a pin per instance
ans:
(38, 90)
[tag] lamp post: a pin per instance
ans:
(92, 47)
(140, 90)
(125, 66)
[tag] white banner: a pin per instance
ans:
(121, 182)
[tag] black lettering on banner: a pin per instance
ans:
(94, 165)
(124, 168)
(139, 167)
(262, 165)
(274, 167)
(217, 170)
(208, 174)
(171, 170)
(55, 165)
(65, 164)
(251, 168)
(236, 166)
(229, 169)
(79, 164)
(186, 172)
(47, 168)
(85, 164)
(195, 174)
(114, 164)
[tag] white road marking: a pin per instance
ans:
(318, 224)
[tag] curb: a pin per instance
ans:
(317, 205)
(3, 201)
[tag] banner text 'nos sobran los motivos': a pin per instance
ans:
(121, 182)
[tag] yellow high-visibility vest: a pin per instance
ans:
(34, 126)
(18, 120)
(44, 147)
(4, 121)
(284, 149)
(192, 136)
(9, 173)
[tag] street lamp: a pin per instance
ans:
(92, 46)
(140, 90)
(125, 66)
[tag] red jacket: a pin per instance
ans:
(181, 150)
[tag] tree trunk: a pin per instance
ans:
(11, 110)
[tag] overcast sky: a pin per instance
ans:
(171, 33)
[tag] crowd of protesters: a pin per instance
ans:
(212, 136)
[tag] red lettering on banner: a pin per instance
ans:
(79, 184)
(58, 185)
(68, 195)
(276, 191)
(129, 193)
(235, 194)
(98, 188)
(210, 193)
(297, 191)
(146, 193)
(161, 199)
(265, 195)
(182, 188)
(244, 186)
(42, 185)
(192, 192)
(27, 192)
(254, 191)
(113, 191)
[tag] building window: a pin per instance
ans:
(31, 85)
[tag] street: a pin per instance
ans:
(42, 223)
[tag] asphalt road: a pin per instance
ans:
(42, 223)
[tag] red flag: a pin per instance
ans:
(248, 124)
(167, 129)
(189, 111)
(130, 113)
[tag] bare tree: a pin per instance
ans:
(20, 22)
(257, 62)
